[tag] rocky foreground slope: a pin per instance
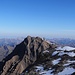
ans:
(35, 56)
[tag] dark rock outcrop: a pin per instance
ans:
(24, 55)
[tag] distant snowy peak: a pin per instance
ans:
(67, 48)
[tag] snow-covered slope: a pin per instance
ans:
(61, 62)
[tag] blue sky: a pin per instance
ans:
(48, 18)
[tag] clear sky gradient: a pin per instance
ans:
(48, 18)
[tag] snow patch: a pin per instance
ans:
(67, 48)
(56, 61)
(46, 51)
(46, 72)
(54, 53)
(72, 54)
(69, 62)
(42, 71)
(39, 68)
(67, 71)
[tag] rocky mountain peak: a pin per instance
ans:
(24, 55)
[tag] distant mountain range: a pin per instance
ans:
(10, 42)
(7, 45)
(63, 41)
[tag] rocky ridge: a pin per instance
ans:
(24, 55)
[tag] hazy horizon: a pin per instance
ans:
(45, 18)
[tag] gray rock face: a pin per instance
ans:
(24, 55)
